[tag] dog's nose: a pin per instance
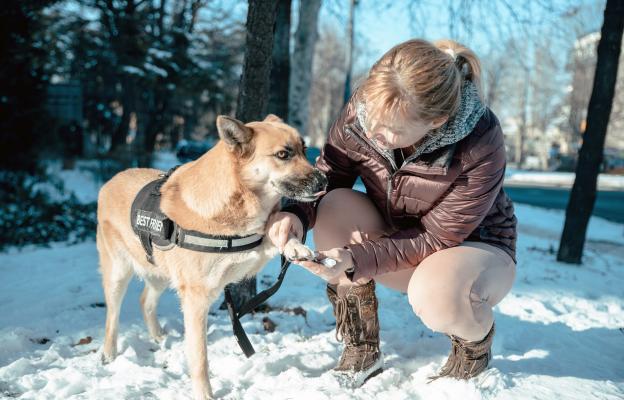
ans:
(320, 180)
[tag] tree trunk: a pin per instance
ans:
(302, 61)
(253, 93)
(349, 66)
(583, 193)
(524, 120)
(280, 70)
(155, 116)
(23, 116)
(118, 140)
(254, 88)
(122, 24)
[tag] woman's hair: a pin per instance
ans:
(419, 79)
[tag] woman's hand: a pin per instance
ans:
(281, 225)
(335, 274)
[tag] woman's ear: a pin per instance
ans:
(438, 122)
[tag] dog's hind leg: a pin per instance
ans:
(195, 304)
(149, 302)
(116, 274)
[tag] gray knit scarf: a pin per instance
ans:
(471, 109)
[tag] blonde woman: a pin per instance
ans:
(434, 223)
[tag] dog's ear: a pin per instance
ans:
(233, 132)
(273, 118)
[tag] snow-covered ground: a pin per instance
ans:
(560, 332)
(558, 179)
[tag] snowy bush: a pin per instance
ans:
(30, 215)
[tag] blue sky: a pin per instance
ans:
(379, 27)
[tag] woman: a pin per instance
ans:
(434, 222)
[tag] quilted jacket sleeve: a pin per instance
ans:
(335, 163)
(457, 214)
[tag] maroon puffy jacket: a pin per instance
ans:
(433, 202)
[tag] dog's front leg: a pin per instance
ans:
(195, 303)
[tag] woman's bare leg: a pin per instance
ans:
(454, 290)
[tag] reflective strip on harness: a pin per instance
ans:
(225, 243)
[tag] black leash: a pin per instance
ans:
(252, 304)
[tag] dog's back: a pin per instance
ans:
(120, 190)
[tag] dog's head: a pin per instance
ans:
(271, 158)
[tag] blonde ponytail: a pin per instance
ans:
(465, 59)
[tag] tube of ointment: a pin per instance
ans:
(326, 261)
(320, 259)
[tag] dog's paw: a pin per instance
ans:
(107, 358)
(159, 337)
(295, 250)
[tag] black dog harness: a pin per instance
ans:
(154, 228)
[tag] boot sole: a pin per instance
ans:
(356, 379)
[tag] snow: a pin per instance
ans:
(164, 160)
(132, 70)
(155, 69)
(547, 223)
(559, 179)
(79, 181)
(559, 332)
(158, 53)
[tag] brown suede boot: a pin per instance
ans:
(357, 325)
(467, 359)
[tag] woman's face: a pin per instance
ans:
(401, 132)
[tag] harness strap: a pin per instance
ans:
(154, 226)
(146, 242)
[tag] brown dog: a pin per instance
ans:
(230, 190)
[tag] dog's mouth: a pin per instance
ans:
(307, 189)
(312, 197)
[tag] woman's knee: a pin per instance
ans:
(344, 204)
(340, 214)
(455, 289)
(438, 297)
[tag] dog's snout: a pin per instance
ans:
(307, 187)
(319, 179)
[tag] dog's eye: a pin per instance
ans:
(282, 155)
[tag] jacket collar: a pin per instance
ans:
(438, 161)
(435, 163)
